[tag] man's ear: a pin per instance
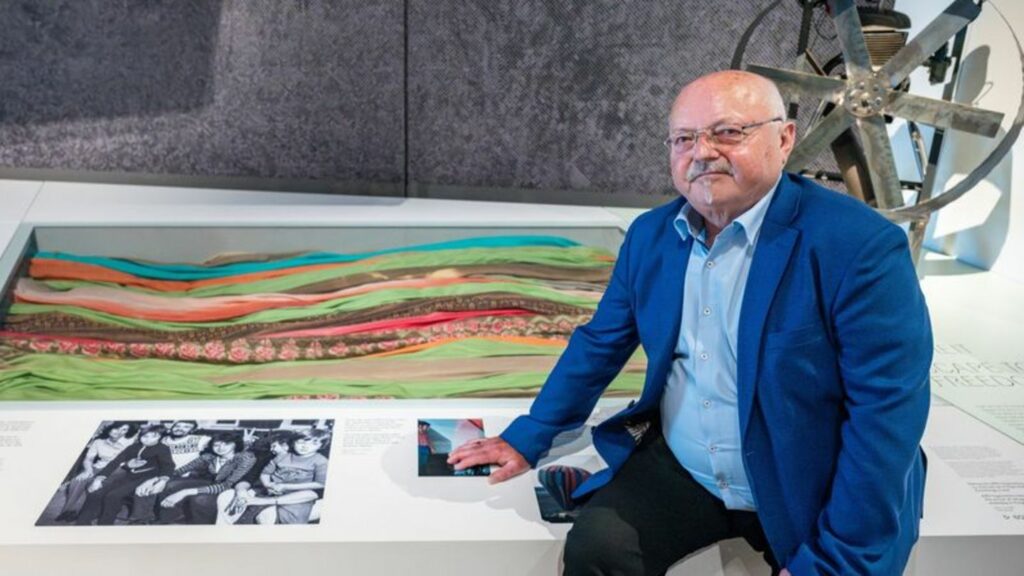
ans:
(788, 136)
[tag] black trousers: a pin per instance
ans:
(652, 514)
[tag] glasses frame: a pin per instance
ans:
(746, 130)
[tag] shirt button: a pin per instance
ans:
(711, 264)
(723, 484)
(707, 311)
(703, 355)
(712, 449)
(706, 403)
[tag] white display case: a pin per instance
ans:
(379, 518)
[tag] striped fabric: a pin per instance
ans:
(431, 320)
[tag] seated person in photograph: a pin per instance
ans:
(190, 492)
(266, 449)
(185, 441)
(110, 442)
(788, 347)
(115, 484)
(290, 484)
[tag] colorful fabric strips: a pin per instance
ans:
(471, 317)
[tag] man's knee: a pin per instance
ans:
(601, 542)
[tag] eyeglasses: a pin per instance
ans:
(725, 135)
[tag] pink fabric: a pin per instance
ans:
(410, 322)
(189, 309)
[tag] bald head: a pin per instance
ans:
(745, 88)
(723, 177)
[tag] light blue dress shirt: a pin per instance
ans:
(699, 416)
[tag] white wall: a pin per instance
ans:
(985, 228)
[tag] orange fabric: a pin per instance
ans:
(50, 269)
(186, 309)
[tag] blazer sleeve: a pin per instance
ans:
(884, 341)
(596, 353)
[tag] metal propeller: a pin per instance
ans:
(861, 101)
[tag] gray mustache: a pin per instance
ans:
(698, 167)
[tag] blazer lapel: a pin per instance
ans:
(771, 257)
(668, 292)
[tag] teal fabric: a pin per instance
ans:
(197, 272)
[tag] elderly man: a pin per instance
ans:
(788, 349)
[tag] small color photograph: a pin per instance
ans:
(437, 437)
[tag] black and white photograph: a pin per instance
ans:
(168, 472)
(437, 437)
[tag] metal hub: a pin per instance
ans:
(864, 98)
(855, 128)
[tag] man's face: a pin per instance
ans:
(149, 438)
(118, 433)
(221, 448)
(180, 429)
(727, 179)
(305, 445)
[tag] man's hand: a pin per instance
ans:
(249, 437)
(490, 451)
(96, 483)
(240, 501)
(173, 500)
(784, 572)
(151, 487)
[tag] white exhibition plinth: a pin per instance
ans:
(378, 517)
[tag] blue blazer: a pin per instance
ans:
(833, 353)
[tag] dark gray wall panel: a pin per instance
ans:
(72, 59)
(557, 95)
(261, 89)
(556, 100)
(542, 99)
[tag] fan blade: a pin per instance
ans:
(851, 38)
(957, 15)
(800, 83)
(944, 114)
(881, 165)
(819, 138)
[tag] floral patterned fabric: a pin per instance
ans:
(89, 327)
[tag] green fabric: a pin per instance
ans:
(359, 302)
(198, 271)
(37, 387)
(61, 377)
(581, 256)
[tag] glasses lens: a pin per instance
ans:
(728, 135)
(680, 142)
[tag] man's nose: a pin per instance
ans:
(703, 148)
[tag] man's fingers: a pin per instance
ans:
(472, 459)
(511, 469)
(471, 447)
(490, 451)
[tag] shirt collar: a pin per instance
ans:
(690, 223)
